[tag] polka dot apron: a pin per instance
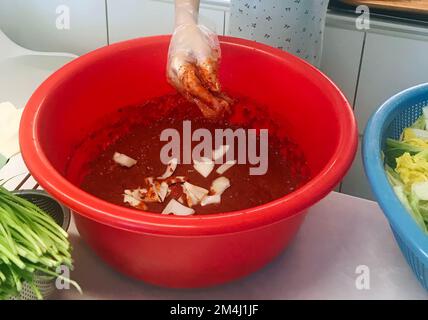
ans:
(296, 26)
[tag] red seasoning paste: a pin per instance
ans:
(108, 180)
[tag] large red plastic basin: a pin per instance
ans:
(199, 250)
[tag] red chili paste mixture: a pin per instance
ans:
(128, 170)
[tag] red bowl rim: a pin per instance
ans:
(145, 222)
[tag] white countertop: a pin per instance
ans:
(339, 234)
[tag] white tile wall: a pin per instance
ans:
(129, 19)
(33, 24)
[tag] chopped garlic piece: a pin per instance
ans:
(225, 166)
(194, 194)
(170, 168)
(127, 198)
(177, 208)
(181, 199)
(152, 194)
(163, 191)
(211, 200)
(220, 152)
(175, 180)
(149, 180)
(157, 191)
(219, 185)
(204, 167)
(133, 197)
(124, 160)
(136, 193)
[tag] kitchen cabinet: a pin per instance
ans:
(340, 61)
(391, 63)
(73, 26)
(370, 67)
(342, 49)
(129, 19)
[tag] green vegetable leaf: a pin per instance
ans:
(395, 149)
(419, 123)
(30, 242)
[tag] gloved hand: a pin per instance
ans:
(193, 58)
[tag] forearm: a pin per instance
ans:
(186, 11)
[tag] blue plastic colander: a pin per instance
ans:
(388, 121)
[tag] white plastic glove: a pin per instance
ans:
(193, 58)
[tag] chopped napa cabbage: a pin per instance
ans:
(395, 148)
(423, 210)
(393, 177)
(418, 207)
(406, 167)
(420, 123)
(412, 169)
(415, 137)
(420, 190)
(425, 116)
(417, 142)
(425, 112)
(399, 191)
(413, 205)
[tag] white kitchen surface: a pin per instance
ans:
(339, 234)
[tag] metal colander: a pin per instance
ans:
(61, 215)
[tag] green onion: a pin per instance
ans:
(31, 243)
